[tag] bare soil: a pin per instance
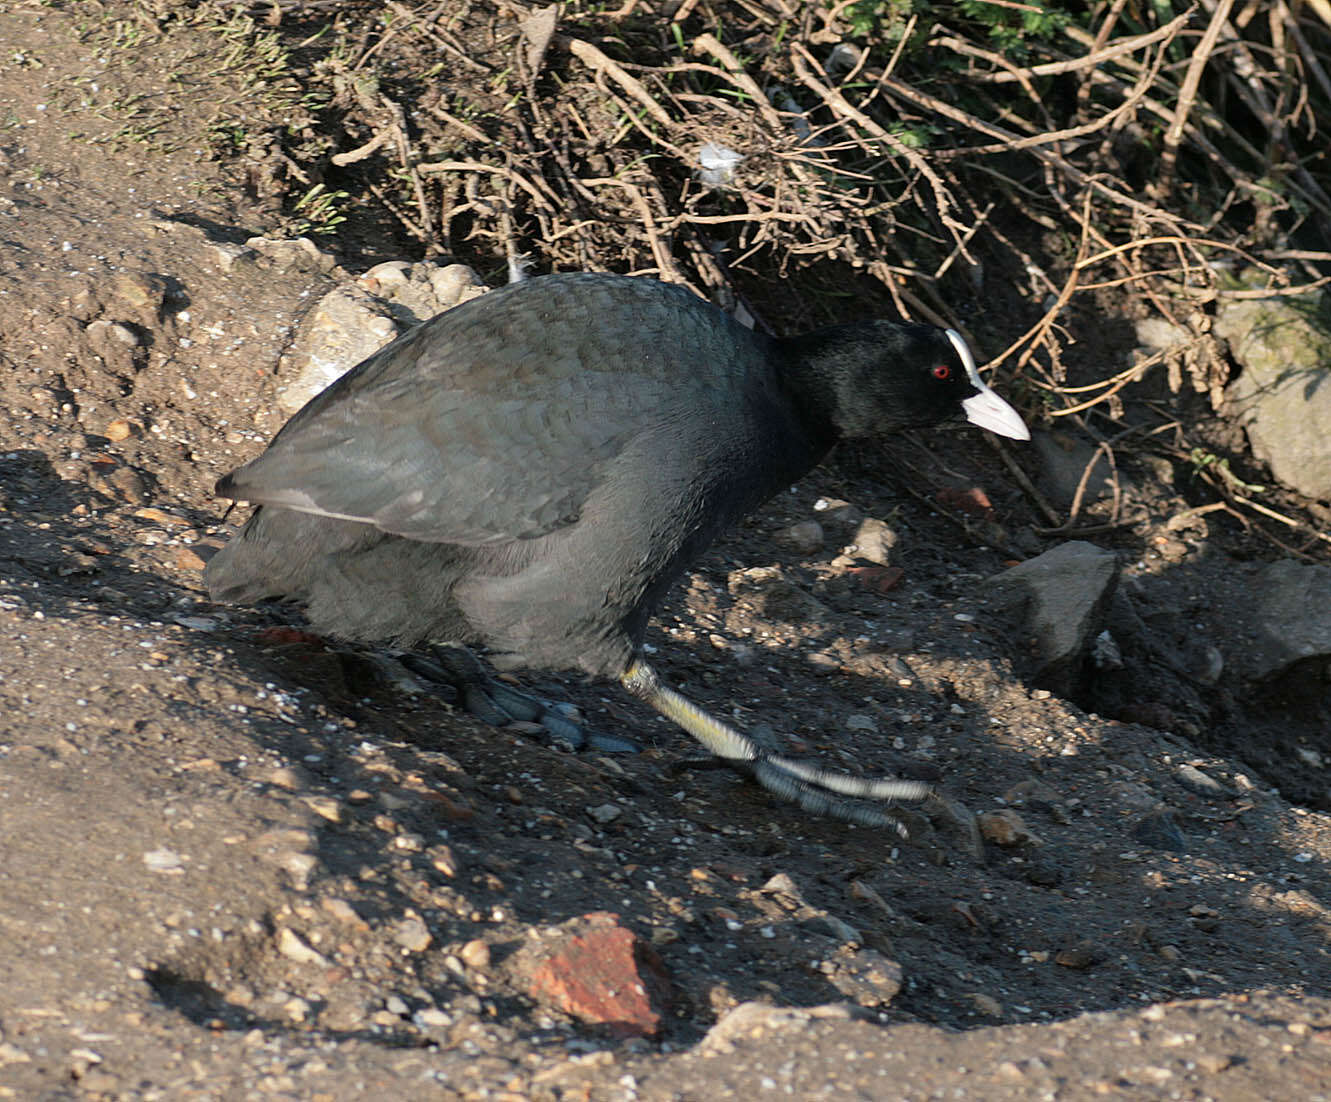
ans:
(219, 841)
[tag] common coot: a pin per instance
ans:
(530, 472)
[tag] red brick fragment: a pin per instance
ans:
(602, 973)
(881, 579)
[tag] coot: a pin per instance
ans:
(530, 472)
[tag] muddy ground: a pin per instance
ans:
(238, 861)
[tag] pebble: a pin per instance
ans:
(1193, 778)
(443, 859)
(158, 516)
(605, 813)
(290, 945)
(860, 722)
(866, 976)
(806, 537)
(874, 540)
(129, 484)
(412, 934)
(187, 558)
(986, 1004)
(284, 777)
(1080, 956)
(12, 1054)
(325, 807)
(831, 926)
(1006, 828)
(298, 866)
(1159, 831)
(343, 911)
(475, 954)
(164, 861)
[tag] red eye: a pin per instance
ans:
(942, 371)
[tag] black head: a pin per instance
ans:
(881, 376)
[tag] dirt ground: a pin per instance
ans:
(236, 861)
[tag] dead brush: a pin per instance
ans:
(1154, 151)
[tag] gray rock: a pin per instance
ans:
(1288, 617)
(1059, 599)
(1158, 830)
(1283, 396)
(1063, 463)
(806, 537)
(1158, 334)
(353, 322)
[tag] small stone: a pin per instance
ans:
(823, 663)
(1213, 1063)
(290, 945)
(188, 558)
(859, 722)
(443, 859)
(1030, 791)
(1006, 828)
(806, 537)
(239, 995)
(830, 926)
(160, 516)
(298, 866)
(343, 911)
(475, 954)
(754, 1019)
(12, 1054)
(1080, 956)
(605, 813)
(129, 485)
(986, 1004)
(408, 842)
(284, 776)
(1158, 830)
(165, 861)
(325, 807)
(412, 934)
(1201, 783)
(785, 888)
(865, 975)
(874, 540)
(117, 431)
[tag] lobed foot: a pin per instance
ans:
(819, 791)
(499, 704)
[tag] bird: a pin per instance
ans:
(529, 472)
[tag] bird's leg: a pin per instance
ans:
(818, 791)
(499, 704)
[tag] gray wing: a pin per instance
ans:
(496, 420)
